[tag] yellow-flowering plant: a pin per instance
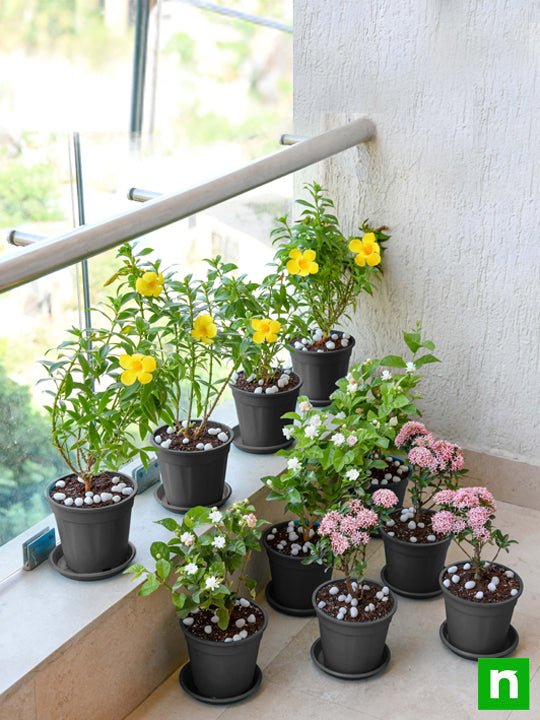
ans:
(325, 270)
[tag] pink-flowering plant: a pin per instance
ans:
(344, 535)
(469, 513)
(436, 464)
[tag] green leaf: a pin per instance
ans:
(413, 341)
(169, 524)
(150, 585)
(425, 359)
(394, 361)
(223, 618)
(163, 569)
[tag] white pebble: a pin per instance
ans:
(185, 441)
(431, 538)
(208, 629)
(397, 463)
(271, 536)
(403, 518)
(121, 485)
(446, 583)
(396, 479)
(244, 634)
(452, 569)
(281, 383)
(379, 595)
(391, 533)
(385, 598)
(293, 537)
(251, 618)
(333, 590)
(367, 609)
(188, 621)
(365, 587)
(236, 638)
(334, 336)
(509, 574)
(105, 496)
(274, 530)
(228, 640)
(319, 351)
(455, 579)
(321, 604)
(79, 502)
(261, 383)
(127, 491)
(115, 488)
(341, 598)
(330, 345)
(199, 446)
(467, 566)
(166, 444)
(81, 480)
(258, 391)
(244, 603)
(470, 584)
(479, 595)
(184, 423)
(214, 431)
(240, 623)
(214, 619)
(390, 523)
(60, 484)
(384, 482)
(208, 446)
(353, 611)
(388, 476)
(492, 587)
(374, 481)
(413, 539)
(88, 501)
(59, 496)
(354, 602)
(68, 501)
(495, 580)
(298, 346)
(340, 616)
(116, 498)
(96, 499)
(421, 525)
(170, 430)
(514, 592)
(354, 585)
(411, 525)
(386, 590)
(346, 336)
(304, 349)
(344, 342)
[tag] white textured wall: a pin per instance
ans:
(454, 88)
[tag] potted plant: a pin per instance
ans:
(99, 380)
(326, 272)
(264, 390)
(414, 553)
(204, 567)
(328, 462)
(354, 614)
(193, 325)
(479, 595)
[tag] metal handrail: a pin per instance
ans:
(83, 242)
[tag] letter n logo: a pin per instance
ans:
(503, 684)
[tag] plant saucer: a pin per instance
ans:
(159, 494)
(317, 656)
(406, 593)
(186, 681)
(58, 561)
(266, 450)
(294, 612)
(512, 641)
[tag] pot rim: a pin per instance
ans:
(470, 603)
(296, 388)
(352, 343)
(343, 623)
(397, 541)
(217, 643)
(97, 508)
(194, 452)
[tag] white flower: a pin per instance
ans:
(312, 431)
(304, 406)
(338, 439)
(411, 367)
(211, 582)
(350, 377)
(191, 569)
(218, 542)
(352, 474)
(386, 375)
(293, 464)
(187, 539)
(315, 420)
(376, 423)
(393, 421)
(340, 415)
(287, 431)
(352, 387)
(215, 516)
(352, 440)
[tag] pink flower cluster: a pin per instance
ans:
(467, 509)
(427, 452)
(349, 529)
(385, 498)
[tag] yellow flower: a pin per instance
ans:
(302, 263)
(204, 329)
(265, 329)
(137, 367)
(367, 250)
(150, 284)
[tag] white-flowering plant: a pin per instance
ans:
(204, 563)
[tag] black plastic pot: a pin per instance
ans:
(220, 669)
(292, 581)
(321, 370)
(259, 417)
(475, 627)
(195, 477)
(94, 539)
(413, 568)
(352, 647)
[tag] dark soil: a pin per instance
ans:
(320, 345)
(282, 535)
(203, 619)
(178, 436)
(403, 532)
(392, 466)
(100, 484)
(364, 597)
(243, 384)
(502, 591)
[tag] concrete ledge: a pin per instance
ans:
(509, 480)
